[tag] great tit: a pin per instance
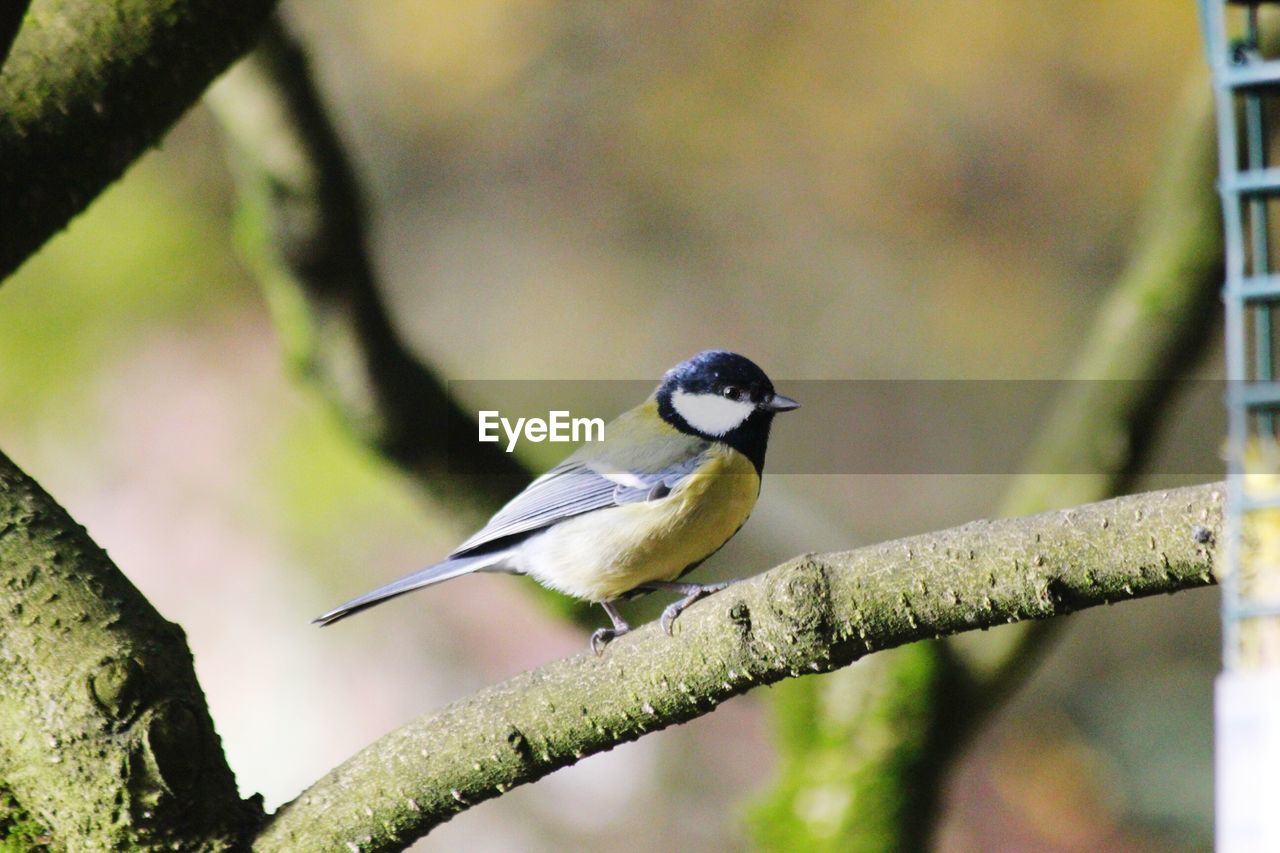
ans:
(672, 481)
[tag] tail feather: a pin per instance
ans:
(441, 571)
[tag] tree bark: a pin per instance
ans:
(88, 86)
(105, 737)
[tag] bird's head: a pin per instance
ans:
(721, 396)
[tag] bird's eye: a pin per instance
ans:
(732, 392)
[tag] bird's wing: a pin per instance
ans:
(577, 486)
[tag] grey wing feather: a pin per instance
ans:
(573, 488)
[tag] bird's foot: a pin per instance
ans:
(693, 592)
(601, 637)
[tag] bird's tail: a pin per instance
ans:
(441, 571)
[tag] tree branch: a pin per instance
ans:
(303, 229)
(812, 614)
(88, 86)
(1152, 326)
(11, 15)
(285, 163)
(105, 738)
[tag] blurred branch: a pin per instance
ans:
(859, 754)
(105, 738)
(11, 15)
(303, 229)
(924, 701)
(812, 614)
(88, 86)
(1154, 325)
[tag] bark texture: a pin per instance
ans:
(105, 737)
(88, 86)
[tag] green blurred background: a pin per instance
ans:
(581, 190)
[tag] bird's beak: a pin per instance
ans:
(779, 403)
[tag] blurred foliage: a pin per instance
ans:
(149, 256)
(847, 166)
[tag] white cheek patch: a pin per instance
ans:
(711, 413)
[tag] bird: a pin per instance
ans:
(672, 481)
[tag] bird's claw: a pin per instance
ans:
(675, 608)
(601, 637)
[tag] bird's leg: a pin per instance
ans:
(692, 592)
(601, 636)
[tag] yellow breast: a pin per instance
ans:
(601, 555)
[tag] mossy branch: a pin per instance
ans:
(287, 154)
(813, 614)
(11, 15)
(88, 86)
(105, 738)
